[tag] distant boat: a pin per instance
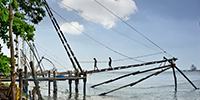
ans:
(192, 69)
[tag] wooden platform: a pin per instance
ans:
(45, 79)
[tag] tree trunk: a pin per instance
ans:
(12, 53)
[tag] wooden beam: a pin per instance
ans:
(134, 73)
(186, 77)
(20, 84)
(49, 87)
(134, 83)
(130, 66)
(45, 79)
(36, 81)
(31, 47)
(174, 74)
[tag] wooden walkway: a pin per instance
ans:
(45, 79)
(129, 66)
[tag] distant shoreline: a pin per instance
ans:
(191, 70)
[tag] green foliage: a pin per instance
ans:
(32, 9)
(25, 11)
(7, 84)
(4, 21)
(4, 64)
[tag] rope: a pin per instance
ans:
(26, 91)
(25, 60)
(38, 55)
(109, 28)
(122, 59)
(131, 27)
(22, 59)
(54, 67)
(46, 51)
(16, 50)
(95, 39)
(63, 39)
(52, 58)
(31, 49)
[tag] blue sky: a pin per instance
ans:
(171, 24)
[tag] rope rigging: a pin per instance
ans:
(38, 56)
(65, 44)
(131, 27)
(109, 28)
(54, 67)
(95, 39)
(63, 39)
(123, 59)
(34, 55)
(26, 60)
(52, 58)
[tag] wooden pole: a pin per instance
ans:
(174, 74)
(70, 85)
(20, 84)
(12, 53)
(70, 82)
(84, 82)
(34, 94)
(62, 37)
(54, 84)
(34, 75)
(49, 88)
(134, 83)
(25, 81)
(76, 82)
(60, 34)
(134, 73)
(31, 47)
(186, 77)
(29, 95)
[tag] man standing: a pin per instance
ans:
(95, 64)
(109, 63)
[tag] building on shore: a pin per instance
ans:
(193, 68)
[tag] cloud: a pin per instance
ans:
(122, 8)
(72, 28)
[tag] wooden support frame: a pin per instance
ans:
(84, 83)
(130, 66)
(30, 46)
(20, 84)
(54, 85)
(36, 81)
(134, 83)
(49, 87)
(133, 73)
(47, 79)
(174, 73)
(63, 39)
(186, 77)
(175, 79)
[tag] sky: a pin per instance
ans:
(92, 31)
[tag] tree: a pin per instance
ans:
(4, 64)
(26, 14)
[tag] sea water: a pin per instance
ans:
(160, 87)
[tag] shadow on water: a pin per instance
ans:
(185, 94)
(175, 95)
